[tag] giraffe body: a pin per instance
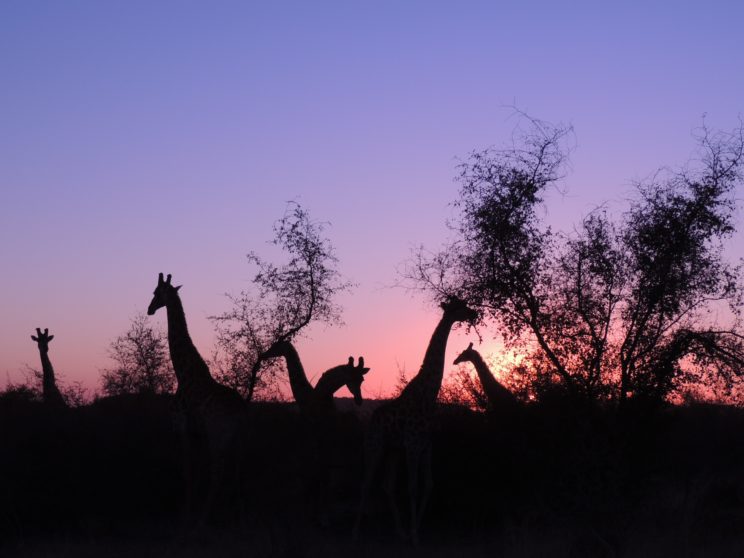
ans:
(51, 396)
(402, 428)
(210, 416)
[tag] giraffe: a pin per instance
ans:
(318, 399)
(499, 397)
(210, 416)
(404, 425)
(50, 393)
(335, 378)
(320, 426)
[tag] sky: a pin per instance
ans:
(146, 137)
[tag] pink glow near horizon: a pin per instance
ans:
(140, 139)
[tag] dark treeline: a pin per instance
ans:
(551, 479)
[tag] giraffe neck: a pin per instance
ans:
(495, 392)
(425, 385)
(49, 391)
(302, 390)
(188, 364)
(330, 382)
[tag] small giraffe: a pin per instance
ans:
(335, 378)
(404, 426)
(211, 416)
(499, 397)
(319, 424)
(318, 399)
(50, 393)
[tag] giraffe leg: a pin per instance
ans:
(425, 467)
(413, 461)
(391, 477)
(188, 467)
(372, 456)
(219, 455)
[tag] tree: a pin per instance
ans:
(141, 361)
(30, 389)
(284, 301)
(619, 307)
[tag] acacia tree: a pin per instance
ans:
(141, 361)
(284, 301)
(616, 308)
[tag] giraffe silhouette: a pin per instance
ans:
(319, 399)
(320, 423)
(210, 416)
(499, 397)
(50, 393)
(404, 426)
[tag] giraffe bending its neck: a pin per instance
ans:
(499, 397)
(318, 399)
(211, 415)
(302, 389)
(49, 391)
(337, 377)
(403, 426)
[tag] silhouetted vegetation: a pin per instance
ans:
(548, 479)
(643, 306)
(141, 361)
(285, 300)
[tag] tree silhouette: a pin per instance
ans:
(626, 307)
(284, 301)
(141, 361)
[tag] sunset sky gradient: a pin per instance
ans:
(140, 137)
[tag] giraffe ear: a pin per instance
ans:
(50, 338)
(35, 338)
(365, 370)
(178, 287)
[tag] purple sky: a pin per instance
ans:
(139, 137)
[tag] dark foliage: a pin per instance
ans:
(141, 361)
(642, 306)
(574, 479)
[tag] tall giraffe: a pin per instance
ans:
(318, 399)
(50, 393)
(404, 426)
(211, 416)
(499, 397)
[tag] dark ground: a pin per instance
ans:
(552, 480)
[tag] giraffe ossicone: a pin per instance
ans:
(50, 393)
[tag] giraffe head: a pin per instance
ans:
(42, 339)
(466, 355)
(355, 377)
(278, 349)
(163, 294)
(458, 310)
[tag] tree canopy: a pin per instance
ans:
(284, 301)
(141, 361)
(639, 305)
